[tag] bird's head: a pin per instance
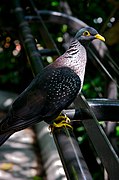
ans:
(87, 34)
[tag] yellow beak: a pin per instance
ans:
(98, 36)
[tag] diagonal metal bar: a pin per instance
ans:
(70, 154)
(43, 29)
(101, 143)
(103, 67)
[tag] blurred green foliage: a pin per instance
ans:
(37, 178)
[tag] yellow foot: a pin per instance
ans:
(60, 121)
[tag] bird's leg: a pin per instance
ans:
(61, 121)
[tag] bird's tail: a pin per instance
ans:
(4, 137)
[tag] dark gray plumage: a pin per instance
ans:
(52, 90)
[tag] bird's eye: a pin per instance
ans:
(86, 33)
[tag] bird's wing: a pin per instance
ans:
(63, 87)
(48, 94)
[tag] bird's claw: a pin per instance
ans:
(60, 121)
